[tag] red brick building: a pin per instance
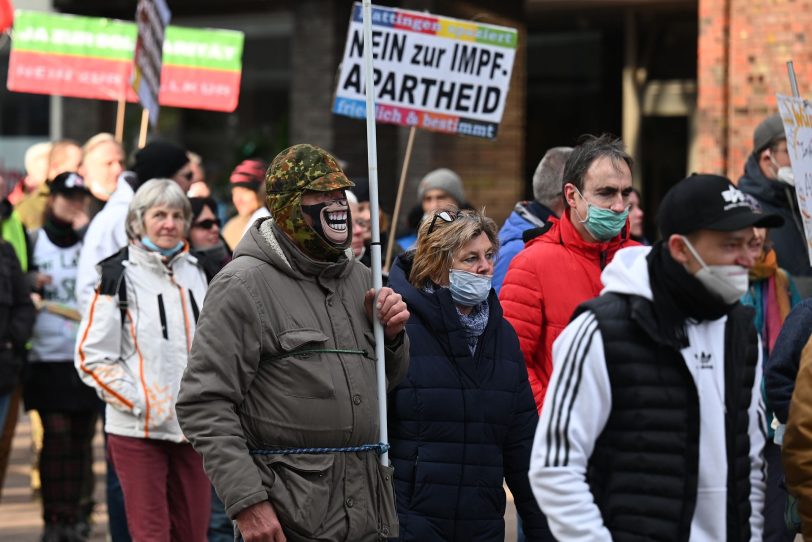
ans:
(743, 49)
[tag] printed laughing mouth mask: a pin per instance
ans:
(331, 221)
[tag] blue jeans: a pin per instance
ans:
(220, 527)
(4, 402)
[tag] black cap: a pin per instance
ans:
(709, 202)
(68, 183)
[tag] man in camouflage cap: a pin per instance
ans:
(280, 390)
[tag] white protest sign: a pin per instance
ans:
(152, 18)
(796, 113)
(435, 73)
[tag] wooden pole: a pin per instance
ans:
(396, 214)
(142, 137)
(122, 105)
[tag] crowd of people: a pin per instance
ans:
(621, 389)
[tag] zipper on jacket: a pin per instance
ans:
(162, 313)
(603, 259)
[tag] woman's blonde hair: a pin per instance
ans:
(435, 249)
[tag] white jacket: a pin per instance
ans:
(104, 237)
(136, 367)
(563, 492)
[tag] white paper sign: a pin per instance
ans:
(796, 113)
(435, 73)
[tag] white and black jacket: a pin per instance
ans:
(134, 356)
(638, 440)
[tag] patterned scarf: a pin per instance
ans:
(474, 324)
(776, 296)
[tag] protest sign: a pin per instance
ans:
(796, 114)
(91, 57)
(152, 18)
(435, 73)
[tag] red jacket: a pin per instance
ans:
(545, 283)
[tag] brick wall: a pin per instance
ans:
(743, 49)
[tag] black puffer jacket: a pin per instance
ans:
(17, 315)
(777, 197)
(460, 425)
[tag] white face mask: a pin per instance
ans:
(783, 174)
(729, 282)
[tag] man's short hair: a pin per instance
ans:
(590, 149)
(97, 140)
(547, 185)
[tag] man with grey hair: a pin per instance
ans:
(561, 269)
(528, 215)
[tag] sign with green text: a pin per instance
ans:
(90, 57)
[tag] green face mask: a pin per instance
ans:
(602, 224)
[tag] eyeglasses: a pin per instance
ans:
(207, 224)
(445, 216)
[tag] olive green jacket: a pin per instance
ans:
(259, 378)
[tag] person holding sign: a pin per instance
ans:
(280, 396)
(560, 269)
(768, 178)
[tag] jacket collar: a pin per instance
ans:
(563, 232)
(155, 262)
(754, 182)
(265, 242)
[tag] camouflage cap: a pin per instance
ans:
(305, 167)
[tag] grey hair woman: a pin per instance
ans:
(154, 203)
(133, 348)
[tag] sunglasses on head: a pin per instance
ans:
(207, 224)
(445, 216)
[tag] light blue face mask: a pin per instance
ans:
(602, 224)
(468, 289)
(167, 252)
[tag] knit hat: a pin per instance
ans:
(443, 179)
(159, 160)
(768, 132)
(295, 170)
(249, 173)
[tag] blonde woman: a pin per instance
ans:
(462, 421)
(133, 347)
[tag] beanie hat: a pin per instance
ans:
(768, 132)
(159, 160)
(295, 170)
(249, 173)
(443, 179)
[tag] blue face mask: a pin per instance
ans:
(468, 289)
(167, 252)
(602, 224)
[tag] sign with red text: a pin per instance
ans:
(436, 73)
(90, 57)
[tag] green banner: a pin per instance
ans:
(94, 37)
(54, 33)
